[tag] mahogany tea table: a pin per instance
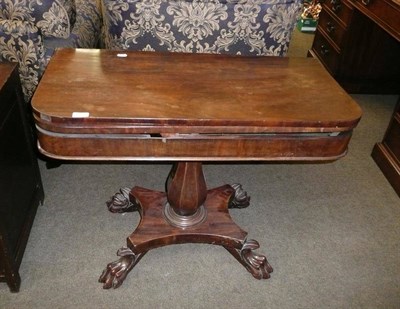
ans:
(188, 108)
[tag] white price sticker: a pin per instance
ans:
(80, 114)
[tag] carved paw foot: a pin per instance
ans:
(121, 202)
(256, 264)
(241, 199)
(115, 273)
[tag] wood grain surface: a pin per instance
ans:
(95, 104)
(170, 89)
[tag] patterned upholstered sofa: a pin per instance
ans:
(244, 27)
(30, 30)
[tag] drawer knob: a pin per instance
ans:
(337, 5)
(330, 27)
(324, 50)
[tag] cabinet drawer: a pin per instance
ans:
(341, 9)
(331, 28)
(326, 52)
(385, 12)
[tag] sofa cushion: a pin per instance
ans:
(244, 27)
(21, 42)
(53, 17)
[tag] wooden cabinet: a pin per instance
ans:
(386, 13)
(358, 41)
(387, 153)
(20, 183)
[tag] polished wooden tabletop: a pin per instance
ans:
(111, 105)
(215, 93)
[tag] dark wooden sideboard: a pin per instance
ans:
(20, 183)
(387, 153)
(358, 41)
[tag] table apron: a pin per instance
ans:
(202, 148)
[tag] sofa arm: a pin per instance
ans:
(88, 23)
(86, 30)
(21, 42)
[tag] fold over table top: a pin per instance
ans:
(145, 88)
(88, 91)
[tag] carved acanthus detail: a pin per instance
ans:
(121, 202)
(241, 199)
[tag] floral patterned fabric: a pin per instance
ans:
(243, 27)
(30, 30)
(20, 42)
(53, 18)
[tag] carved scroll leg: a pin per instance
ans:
(240, 199)
(256, 264)
(122, 202)
(115, 273)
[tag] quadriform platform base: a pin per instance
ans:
(166, 219)
(188, 108)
